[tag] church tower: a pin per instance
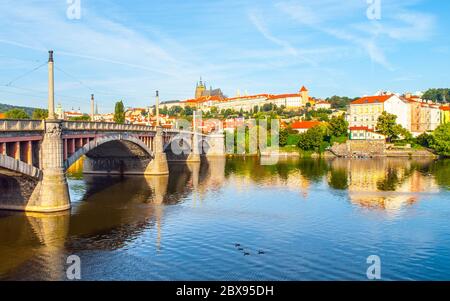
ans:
(305, 96)
(200, 88)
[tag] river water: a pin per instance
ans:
(304, 219)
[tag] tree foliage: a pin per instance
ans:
(119, 113)
(17, 114)
(339, 102)
(283, 137)
(386, 125)
(85, 117)
(40, 114)
(338, 126)
(441, 140)
(312, 139)
(425, 140)
(438, 95)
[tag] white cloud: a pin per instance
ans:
(397, 24)
(256, 21)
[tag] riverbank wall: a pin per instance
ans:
(376, 148)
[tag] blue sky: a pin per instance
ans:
(128, 49)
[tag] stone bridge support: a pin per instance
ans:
(216, 145)
(51, 193)
(158, 166)
(194, 156)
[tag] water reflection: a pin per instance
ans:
(111, 213)
(33, 235)
(387, 184)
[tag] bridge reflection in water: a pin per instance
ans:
(110, 212)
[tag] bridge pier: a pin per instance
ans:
(216, 145)
(194, 156)
(51, 193)
(158, 166)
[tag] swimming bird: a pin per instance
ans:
(237, 245)
(241, 249)
(246, 253)
(260, 252)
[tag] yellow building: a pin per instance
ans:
(445, 114)
(364, 112)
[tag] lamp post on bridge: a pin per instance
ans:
(52, 192)
(92, 107)
(157, 108)
(51, 88)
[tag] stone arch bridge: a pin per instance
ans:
(42, 151)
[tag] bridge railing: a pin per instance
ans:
(10, 125)
(105, 126)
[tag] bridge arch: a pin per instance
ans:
(96, 143)
(20, 167)
(185, 138)
(183, 142)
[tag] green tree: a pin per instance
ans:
(267, 107)
(339, 102)
(188, 111)
(441, 139)
(312, 139)
(164, 110)
(438, 95)
(119, 113)
(338, 126)
(17, 114)
(425, 140)
(283, 137)
(40, 114)
(214, 110)
(175, 110)
(85, 117)
(386, 125)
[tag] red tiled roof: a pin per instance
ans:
(445, 108)
(305, 124)
(371, 99)
(358, 128)
(283, 96)
(249, 96)
(362, 128)
(303, 89)
(203, 99)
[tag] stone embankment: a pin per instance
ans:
(375, 148)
